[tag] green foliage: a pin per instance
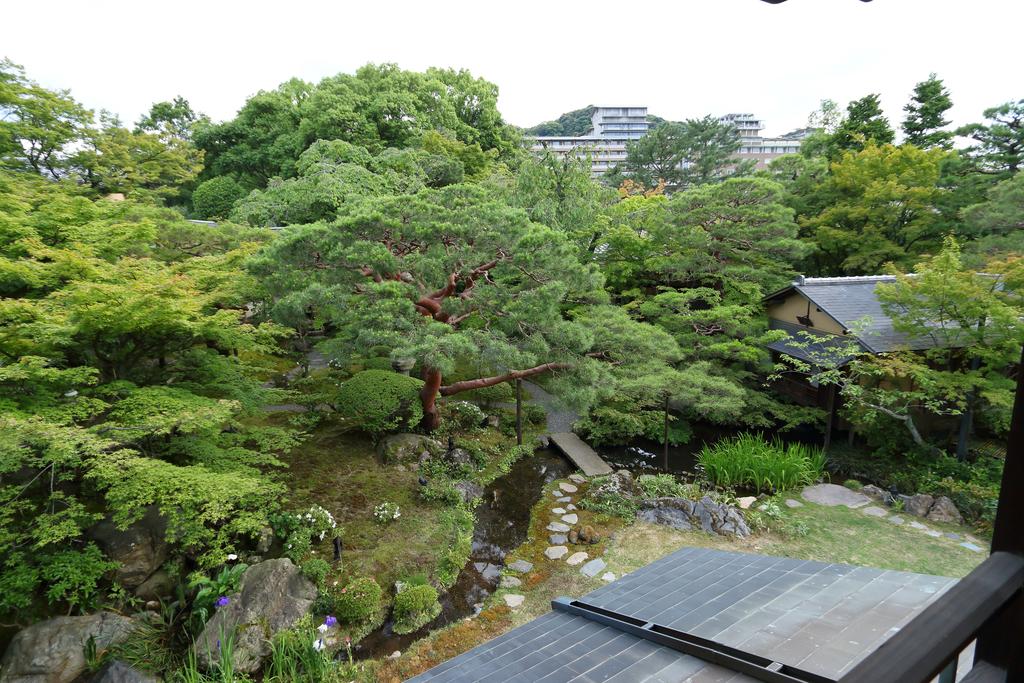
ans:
(864, 124)
(380, 401)
(926, 111)
(415, 606)
(707, 145)
(612, 504)
(214, 198)
(749, 461)
(210, 589)
(573, 123)
(661, 486)
(358, 601)
(72, 576)
(459, 521)
(294, 657)
(465, 415)
(853, 484)
(999, 148)
(316, 570)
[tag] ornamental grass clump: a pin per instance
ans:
(750, 461)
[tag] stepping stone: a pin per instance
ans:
(520, 566)
(570, 506)
(934, 534)
(563, 499)
(608, 576)
(953, 537)
(895, 519)
(558, 511)
(557, 493)
(970, 546)
(556, 552)
(514, 600)
(593, 568)
(746, 501)
(874, 511)
(576, 558)
(918, 526)
(832, 495)
(510, 582)
(568, 488)
(790, 503)
(578, 478)
(558, 527)
(570, 518)
(557, 539)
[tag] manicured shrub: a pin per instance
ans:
(379, 401)
(414, 606)
(465, 414)
(215, 197)
(748, 460)
(358, 601)
(499, 393)
(377, 364)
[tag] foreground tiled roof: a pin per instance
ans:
(820, 617)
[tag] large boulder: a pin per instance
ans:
(944, 510)
(879, 494)
(116, 671)
(140, 549)
(273, 596)
(407, 448)
(469, 490)
(53, 651)
(619, 482)
(919, 504)
(684, 514)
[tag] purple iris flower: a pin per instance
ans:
(330, 621)
(223, 601)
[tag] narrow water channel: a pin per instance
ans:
(502, 522)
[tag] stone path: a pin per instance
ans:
(882, 513)
(562, 526)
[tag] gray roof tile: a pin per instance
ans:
(818, 616)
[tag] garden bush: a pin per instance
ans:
(415, 606)
(358, 601)
(379, 401)
(377, 364)
(316, 570)
(748, 460)
(661, 486)
(214, 198)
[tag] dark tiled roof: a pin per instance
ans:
(828, 347)
(852, 303)
(820, 617)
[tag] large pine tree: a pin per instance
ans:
(926, 115)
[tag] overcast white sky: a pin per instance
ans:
(682, 59)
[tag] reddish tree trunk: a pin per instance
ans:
(428, 398)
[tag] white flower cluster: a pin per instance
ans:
(320, 521)
(387, 512)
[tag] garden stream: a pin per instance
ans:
(502, 523)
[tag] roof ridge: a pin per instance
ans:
(844, 280)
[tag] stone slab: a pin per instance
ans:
(832, 495)
(593, 568)
(790, 503)
(576, 558)
(970, 546)
(520, 566)
(896, 519)
(570, 507)
(514, 600)
(556, 552)
(557, 539)
(577, 478)
(608, 576)
(875, 511)
(570, 518)
(934, 534)
(582, 455)
(746, 501)
(558, 527)
(510, 582)
(563, 499)
(558, 511)
(568, 488)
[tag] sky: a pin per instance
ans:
(682, 59)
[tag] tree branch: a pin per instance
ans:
(483, 382)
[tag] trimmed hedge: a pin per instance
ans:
(358, 601)
(380, 401)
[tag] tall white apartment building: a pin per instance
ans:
(612, 127)
(605, 143)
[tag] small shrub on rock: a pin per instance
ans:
(415, 606)
(465, 414)
(358, 601)
(380, 401)
(316, 570)
(661, 486)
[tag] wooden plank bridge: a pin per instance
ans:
(582, 455)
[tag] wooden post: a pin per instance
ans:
(519, 412)
(830, 420)
(666, 432)
(999, 640)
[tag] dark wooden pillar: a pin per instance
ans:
(830, 419)
(1000, 641)
(519, 412)
(666, 432)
